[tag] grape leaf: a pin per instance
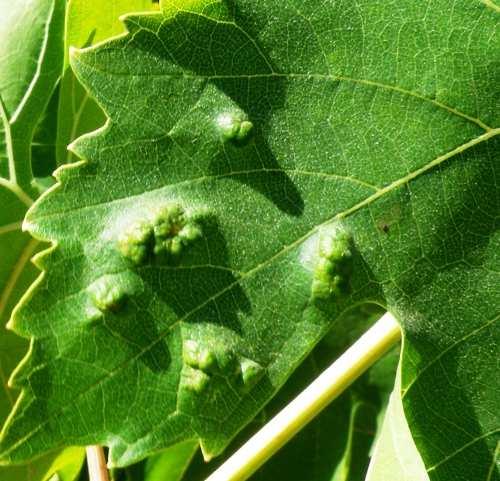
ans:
(168, 465)
(395, 457)
(265, 166)
(63, 466)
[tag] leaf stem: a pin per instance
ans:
(18, 150)
(370, 347)
(8, 141)
(97, 464)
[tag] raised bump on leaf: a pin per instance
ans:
(198, 357)
(234, 126)
(106, 294)
(333, 268)
(165, 230)
(328, 255)
(110, 292)
(195, 380)
(251, 372)
(134, 243)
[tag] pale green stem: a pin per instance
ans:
(331, 383)
(96, 463)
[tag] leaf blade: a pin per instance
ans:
(387, 206)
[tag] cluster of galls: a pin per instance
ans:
(166, 231)
(234, 126)
(334, 265)
(162, 233)
(201, 363)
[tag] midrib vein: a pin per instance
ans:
(419, 96)
(205, 178)
(352, 210)
(416, 173)
(380, 192)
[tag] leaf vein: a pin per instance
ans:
(444, 352)
(463, 448)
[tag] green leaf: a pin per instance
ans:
(168, 465)
(171, 464)
(265, 166)
(396, 457)
(89, 18)
(63, 466)
(87, 22)
(31, 34)
(43, 146)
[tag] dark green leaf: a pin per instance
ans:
(205, 246)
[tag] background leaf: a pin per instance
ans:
(168, 465)
(395, 457)
(65, 464)
(31, 33)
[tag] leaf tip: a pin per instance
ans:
(74, 53)
(10, 327)
(206, 451)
